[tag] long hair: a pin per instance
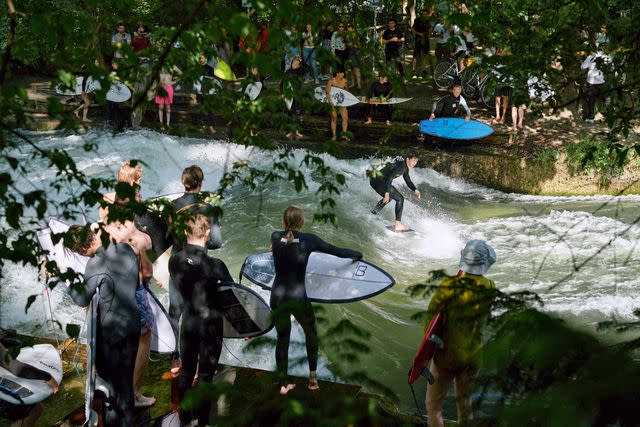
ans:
(293, 220)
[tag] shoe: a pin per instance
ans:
(144, 401)
(414, 77)
(316, 81)
(589, 121)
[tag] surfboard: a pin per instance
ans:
(392, 100)
(253, 90)
(339, 97)
(118, 92)
(23, 391)
(246, 314)
(393, 228)
(163, 338)
(329, 279)
(76, 90)
(455, 128)
(223, 71)
(430, 343)
(206, 80)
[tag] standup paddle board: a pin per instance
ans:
(455, 128)
(23, 391)
(339, 97)
(430, 343)
(382, 101)
(329, 279)
(163, 339)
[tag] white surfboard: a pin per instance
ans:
(207, 81)
(22, 391)
(118, 92)
(163, 338)
(329, 279)
(252, 91)
(339, 97)
(390, 101)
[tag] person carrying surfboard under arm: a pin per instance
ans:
(382, 183)
(114, 272)
(448, 105)
(23, 415)
(379, 92)
(466, 302)
(340, 81)
(291, 250)
(196, 276)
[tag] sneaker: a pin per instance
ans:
(316, 81)
(144, 401)
(414, 77)
(589, 121)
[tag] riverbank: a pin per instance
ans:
(533, 160)
(251, 398)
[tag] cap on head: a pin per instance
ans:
(476, 257)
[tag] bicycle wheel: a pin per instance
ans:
(487, 88)
(468, 80)
(443, 74)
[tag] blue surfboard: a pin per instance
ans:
(455, 128)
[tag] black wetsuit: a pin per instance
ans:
(197, 276)
(194, 203)
(114, 273)
(289, 294)
(383, 184)
(448, 105)
(16, 412)
(377, 90)
(294, 78)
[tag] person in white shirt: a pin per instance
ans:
(595, 82)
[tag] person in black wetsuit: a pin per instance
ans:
(197, 276)
(192, 202)
(379, 91)
(293, 80)
(448, 105)
(113, 272)
(22, 415)
(291, 249)
(383, 186)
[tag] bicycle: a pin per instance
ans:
(446, 73)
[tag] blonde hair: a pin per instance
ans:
(199, 226)
(130, 174)
(293, 220)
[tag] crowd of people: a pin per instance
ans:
(434, 41)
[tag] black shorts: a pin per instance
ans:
(420, 48)
(442, 51)
(502, 91)
(13, 412)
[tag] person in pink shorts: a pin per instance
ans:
(164, 97)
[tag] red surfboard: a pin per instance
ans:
(430, 343)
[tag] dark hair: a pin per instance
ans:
(411, 155)
(293, 220)
(79, 238)
(392, 19)
(192, 177)
(121, 24)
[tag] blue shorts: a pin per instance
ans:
(146, 315)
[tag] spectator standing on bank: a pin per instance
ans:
(339, 47)
(292, 47)
(595, 82)
(164, 97)
(392, 38)
(121, 36)
(309, 41)
(421, 32)
(353, 47)
(141, 39)
(442, 41)
(326, 35)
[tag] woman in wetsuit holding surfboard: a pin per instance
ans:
(291, 249)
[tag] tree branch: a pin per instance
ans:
(6, 57)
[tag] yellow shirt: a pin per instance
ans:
(467, 303)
